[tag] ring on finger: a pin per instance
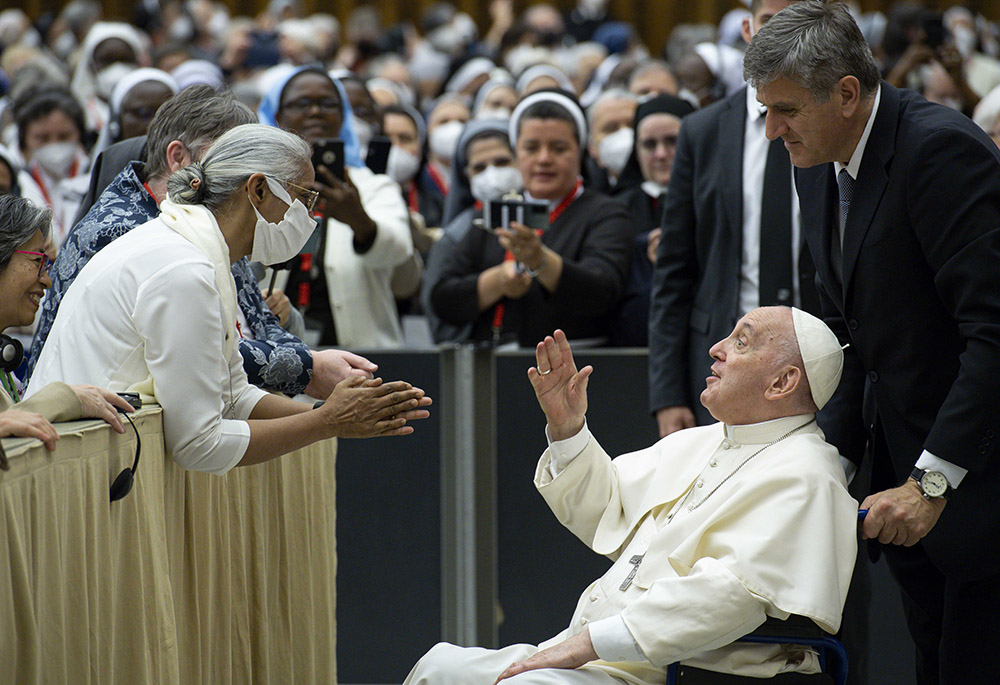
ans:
(543, 373)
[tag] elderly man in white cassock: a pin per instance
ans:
(712, 529)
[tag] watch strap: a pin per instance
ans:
(917, 474)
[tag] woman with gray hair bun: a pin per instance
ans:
(155, 312)
(24, 278)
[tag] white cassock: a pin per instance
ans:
(728, 533)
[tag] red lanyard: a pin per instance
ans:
(501, 307)
(146, 186)
(566, 201)
(437, 178)
(412, 199)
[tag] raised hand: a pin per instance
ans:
(561, 389)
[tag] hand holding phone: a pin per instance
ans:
(329, 153)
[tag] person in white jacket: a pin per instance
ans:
(346, 288)
(711, 530)
(154, 312)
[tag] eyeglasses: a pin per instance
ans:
(310, 195)
(305, 104)
(43, 263)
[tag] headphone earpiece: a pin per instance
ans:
(11, 353)
(122, 485)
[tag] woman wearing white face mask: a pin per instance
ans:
(484, 170)
(345, 289)
(155, 312)
(50, 125)
(445, 121)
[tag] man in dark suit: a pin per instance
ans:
(900, 204)
(715, 262)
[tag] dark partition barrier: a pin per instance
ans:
(543, 568)
(389, 538)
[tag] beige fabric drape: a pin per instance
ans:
(190, 578)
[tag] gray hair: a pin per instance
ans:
(233, 158)
(813, 43)
(196, 116)
(19, 219)
(609, 94)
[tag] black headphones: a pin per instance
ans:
(11, 353)
(122, 484)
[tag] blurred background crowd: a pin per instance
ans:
(423, 107)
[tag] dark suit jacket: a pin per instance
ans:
(696, 285)
(107, 166)
(920, 305)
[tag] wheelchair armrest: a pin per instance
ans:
(800, 627)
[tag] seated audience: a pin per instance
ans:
(181, 131)
(652, 77)
(155, 312)
(644, 183)
(520, 282)
(345, 288)
(9, 169)
(24, 278)
(109, 52)
(711, 530)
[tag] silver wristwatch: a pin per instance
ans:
(933, 484)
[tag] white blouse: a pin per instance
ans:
(146, 308)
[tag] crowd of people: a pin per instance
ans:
(224, 203)
(406, 101)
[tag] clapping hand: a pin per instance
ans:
(561, 389)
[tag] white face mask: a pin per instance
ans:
(56, 158)
(493, 182)
(364, 131)
(965, 40)
(402, 165)
(277, 243)
(493, 113)
(615, 149)
(444, 139)
(110, 75)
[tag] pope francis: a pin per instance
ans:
(711, 529)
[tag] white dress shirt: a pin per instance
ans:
(147, 307)
(926, 461)
(755, 144)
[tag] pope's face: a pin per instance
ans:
(744, 365)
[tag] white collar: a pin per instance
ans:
(765, 431)
(855, 163)
(755, 110)
(653, 189)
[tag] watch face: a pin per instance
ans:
(934, 484)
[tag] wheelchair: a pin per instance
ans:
(797, 630)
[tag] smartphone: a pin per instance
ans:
(132, 398)
(329, 152)
(530, 213)
(378, 154)
(933, 25)
(263, 50)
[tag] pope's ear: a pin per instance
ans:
(784, 384)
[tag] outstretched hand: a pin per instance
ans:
(561, 389)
